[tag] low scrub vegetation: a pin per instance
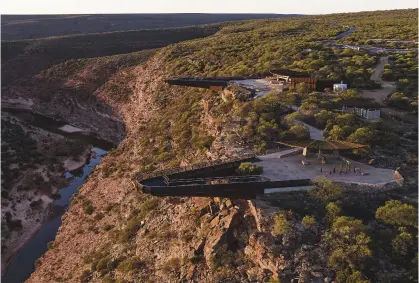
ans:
(248, 168)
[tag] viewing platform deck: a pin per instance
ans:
(283, 171)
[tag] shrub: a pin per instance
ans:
(362, 135)
(297, 132)
(399, 100)
(402, 244)
(130, 230)
(336, 133)
(50, 245)
(322, 117)
(87, 207)
(171, 266)
(223, 257)
(130, 264)
(282, 225)
(350, 94)
(333, 209)
(223, 274)
(348, 242)
(102, 264)
(196, 259)
(248, 168)
(148, 205)
(325, 190)
(309, 221)
(394, 212)
(86, 276)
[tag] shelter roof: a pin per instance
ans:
(323, 145)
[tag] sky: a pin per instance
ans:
(199, 6)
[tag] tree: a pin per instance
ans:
(298, 132)
(350, 93)
(336, 133)
(348, 241)
(282, 225)
(356, 277)
(309, 107)
(394, 212)
(402, 243)
(302, 88)
(322, 117)
(345, 120)
(325, 190)
(399, 100)
(362, 135)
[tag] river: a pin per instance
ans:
(23, 264)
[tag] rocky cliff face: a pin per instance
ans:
(131, 237)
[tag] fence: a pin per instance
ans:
(193, 166)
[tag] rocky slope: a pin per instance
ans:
(120, 210)
(141, 239)
(114, 233)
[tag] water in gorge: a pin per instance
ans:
(23, 263)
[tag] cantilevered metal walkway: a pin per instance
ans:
(200, 180)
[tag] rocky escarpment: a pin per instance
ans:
(114, 233)
(125, 225)
(92, 117)
(131, 237)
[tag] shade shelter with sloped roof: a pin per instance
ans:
(323, 145)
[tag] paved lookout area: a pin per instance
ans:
(278, 167)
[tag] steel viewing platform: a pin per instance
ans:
(198, 180)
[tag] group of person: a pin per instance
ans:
(341, 170)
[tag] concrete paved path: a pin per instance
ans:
(315, 133)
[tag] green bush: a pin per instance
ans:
(87, 207)
(403, 244)
(50, 245)
(102, 264)
(149, 204)
(394, 212)
(130, 264)
(38, 262)
(325, 190)
(130, 230)
(248, 168)
(196, 259)
(308, 221)
(282, 226)
(348, 242)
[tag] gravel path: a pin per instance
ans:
(381, 94)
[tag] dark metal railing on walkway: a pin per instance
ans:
(193, 166)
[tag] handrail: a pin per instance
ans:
(192, 166)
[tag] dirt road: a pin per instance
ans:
(380, 95)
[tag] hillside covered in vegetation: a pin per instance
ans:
(113, 233)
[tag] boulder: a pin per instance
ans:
(218, 235)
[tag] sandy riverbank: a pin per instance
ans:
(33, 219)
